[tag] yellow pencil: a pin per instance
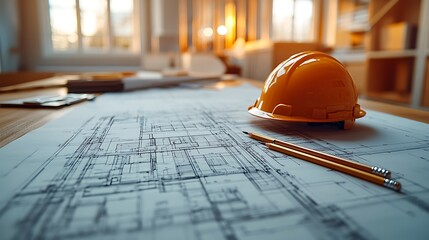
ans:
(370, 169)
(389, 183)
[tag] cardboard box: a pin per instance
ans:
(398, 36)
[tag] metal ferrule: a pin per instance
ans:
(392, 184)
(381, 171)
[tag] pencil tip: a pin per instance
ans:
(245, 132)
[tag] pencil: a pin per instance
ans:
(370, 169)
(389, 183)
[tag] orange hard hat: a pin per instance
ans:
(309, 87)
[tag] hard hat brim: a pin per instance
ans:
(258, 113)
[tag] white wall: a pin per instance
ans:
(9, 39)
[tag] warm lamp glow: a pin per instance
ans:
(230, 21)
(208, 32)
(222, 30)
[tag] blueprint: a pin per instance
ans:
(174, 164)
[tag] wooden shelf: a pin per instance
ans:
(386, 75)
(398, 55)
(425, 97)
(391, 96)
(392, 54)
(352, 24)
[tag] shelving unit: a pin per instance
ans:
(391, 54)
(398, 71)
(351, 24)
(390, 78)
(425, 101)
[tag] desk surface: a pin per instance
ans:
(175, 164)
(15, 122)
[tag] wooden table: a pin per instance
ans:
(16, 122)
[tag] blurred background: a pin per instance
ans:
(383, 43)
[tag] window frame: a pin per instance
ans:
(102, 57)
(314, 24)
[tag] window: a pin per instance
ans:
(293, 20)
(92, 26)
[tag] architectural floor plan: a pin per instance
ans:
(174, 164)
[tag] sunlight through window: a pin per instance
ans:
(63, 25)
(121, 12)
(92, 26)
(292, 20)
